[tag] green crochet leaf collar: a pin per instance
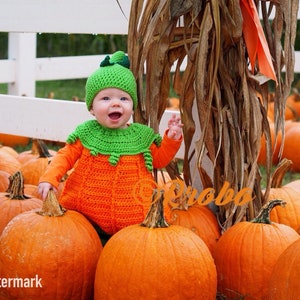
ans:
(133, 140)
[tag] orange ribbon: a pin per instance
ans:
(256, 42)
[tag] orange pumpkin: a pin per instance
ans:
(247, 252)
(294, 184)
(14, 201)
(291, 146)
(4, 181)
(29, 189)
(292, 107)
(290, 124)
(32, 190)
(173, 103)
(155, 261)
(36, 166)
(8, 150)
(8, 163)
(293, 104)
(200, 219)
(35, 151)
(60, 247)
(290, 214)
(284, 281)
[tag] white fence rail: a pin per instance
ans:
(44, 118)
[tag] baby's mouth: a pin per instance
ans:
(115, 115)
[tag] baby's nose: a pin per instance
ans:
(115, 102)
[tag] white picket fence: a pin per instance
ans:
(22, 113)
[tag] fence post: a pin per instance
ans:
(22, 49)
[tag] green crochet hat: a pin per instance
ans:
(114, 72)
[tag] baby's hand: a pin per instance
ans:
(44, 188)
(175, 128)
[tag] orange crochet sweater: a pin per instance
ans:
(104, 192)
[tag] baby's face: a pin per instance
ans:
(112, 108)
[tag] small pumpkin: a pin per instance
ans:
(247, 252)
(60, 247)
(290, 214)
(38, 147)
(14, 201)
(173, 103)
(284, 281)
(155, 260)
(199, 218)
(36, 166)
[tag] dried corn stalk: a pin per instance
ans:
(223, 103)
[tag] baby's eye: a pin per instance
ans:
(123, 98)
(105, 98)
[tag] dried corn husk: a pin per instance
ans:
(223, 101)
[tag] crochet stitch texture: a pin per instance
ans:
(108, 196)
(114, 72)
(112, 196)
(134, 139)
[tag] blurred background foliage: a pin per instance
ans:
(55, 44)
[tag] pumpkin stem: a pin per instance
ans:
(155, 217)
(51, 206)
(279, 173)
(264, 214)
(42, 148)
(277, 176)
(34, 147)
(15, 188)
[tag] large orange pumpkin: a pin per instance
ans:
(155, 261)
(247, 252)
(14, 201)
(284, 281)
(58, 248)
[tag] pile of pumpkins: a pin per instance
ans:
(47, 252)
